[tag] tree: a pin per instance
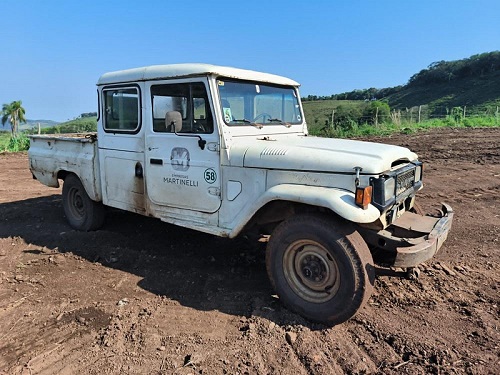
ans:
(14, 114)
(376, 112)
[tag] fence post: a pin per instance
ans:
(376, 117)
(419, 111)
(464, 110)
(333, 116)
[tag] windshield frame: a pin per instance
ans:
(290, 104)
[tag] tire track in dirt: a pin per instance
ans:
(192, 303)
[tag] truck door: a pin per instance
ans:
(121, 147)
(183, 167)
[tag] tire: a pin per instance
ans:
(82, 212)
(320, 268)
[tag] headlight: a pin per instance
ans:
(389, 188)
(418, 173)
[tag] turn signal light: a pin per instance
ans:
(363, 196)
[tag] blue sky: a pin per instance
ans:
(53, 52)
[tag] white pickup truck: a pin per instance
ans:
(226, 151)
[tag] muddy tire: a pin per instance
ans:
(320, 268)
(82, 212)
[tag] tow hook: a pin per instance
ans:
(357, 170)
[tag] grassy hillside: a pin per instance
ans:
(79, 125)
(357, 117)
(481, 94)
(21, 141)
(319, 112)
(30, 124)
(472, 83)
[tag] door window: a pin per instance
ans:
(190, 99)
(122, 110)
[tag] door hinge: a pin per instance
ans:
(214, 191)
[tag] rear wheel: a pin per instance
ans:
(82, 212)
(320, 267)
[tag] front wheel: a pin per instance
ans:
(82, 212)
(320, 267)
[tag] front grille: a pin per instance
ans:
(405, 181)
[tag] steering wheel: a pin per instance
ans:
(263, 115)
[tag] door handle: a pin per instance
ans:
(156, 161)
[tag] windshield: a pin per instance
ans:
(257, 104)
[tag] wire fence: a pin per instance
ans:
(415, 114)
(426, 112)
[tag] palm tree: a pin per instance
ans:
(14, 113)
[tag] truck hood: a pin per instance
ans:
(316, 154)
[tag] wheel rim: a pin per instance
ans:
(311, 271)
(76, 206)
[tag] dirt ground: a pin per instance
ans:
(144, 297)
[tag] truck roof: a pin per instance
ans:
(157, 72)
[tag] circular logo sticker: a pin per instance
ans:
(210, 175)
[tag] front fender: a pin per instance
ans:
(339, 201)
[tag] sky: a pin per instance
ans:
(53, 52)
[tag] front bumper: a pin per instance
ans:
(410, 240)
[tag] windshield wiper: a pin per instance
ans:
(245, 121)
(279, 122)
(242, 120)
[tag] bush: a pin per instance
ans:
(376, 112)
(18, 143)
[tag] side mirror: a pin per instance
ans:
(173, 118)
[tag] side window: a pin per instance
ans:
(190, 99)
(122, 111)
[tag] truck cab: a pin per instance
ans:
(189, 172)
(226, 151)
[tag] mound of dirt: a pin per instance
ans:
(141, 296)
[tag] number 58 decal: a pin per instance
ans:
(210, 175)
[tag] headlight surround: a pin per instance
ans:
(389, 188)
(396, 185)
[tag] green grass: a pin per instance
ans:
(14, 144)
(354, 118)
(4, 140)
(389, 128)
(319, 111)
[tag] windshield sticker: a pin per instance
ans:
(179, 159)
(299, 118)
(210, 175)
(227, 114)
(220, 83)
(257, 89)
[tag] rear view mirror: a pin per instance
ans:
(173, 118)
